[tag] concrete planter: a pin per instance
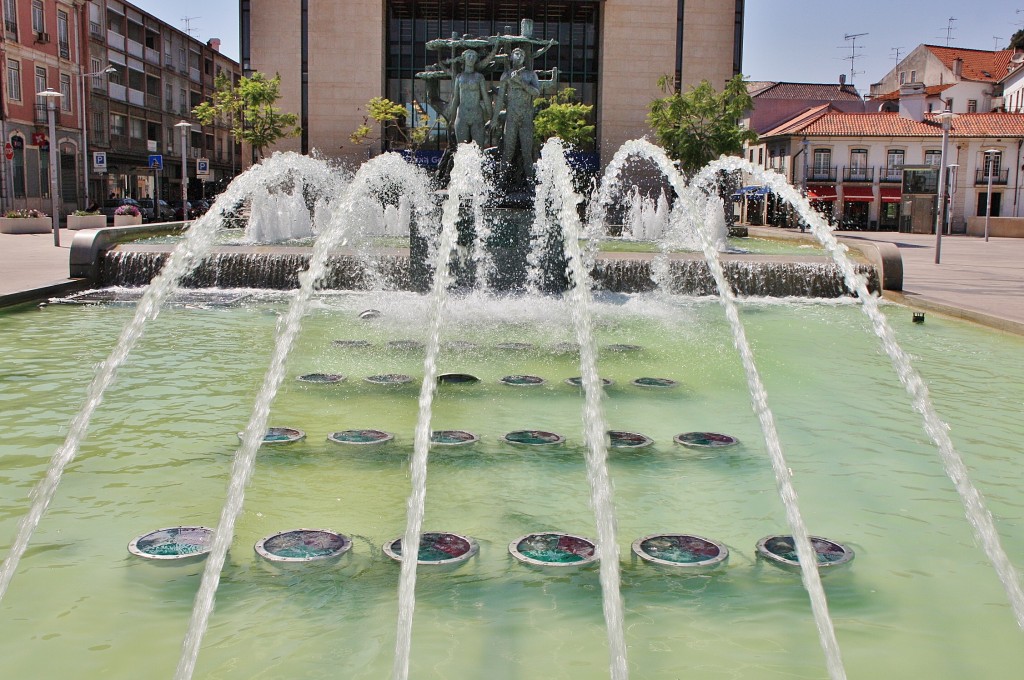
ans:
(25, 225)
(127, 220)
(87, 221)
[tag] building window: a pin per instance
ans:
(63, 39)
(95, 66)
(117, 125)
(933, 157)
(40, 79)
(949, 104)
(972, 106)
(903, 77)
(822, 164)
(65, 89)
(11, 18)
(858, 165)
(38, 18)
(168, 97)
(138, 128)
(913, 76)
(894, 164)
(14, 79)
(992, 163)
(18, 169)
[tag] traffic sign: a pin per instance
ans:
(8, 151)
(156, 162)
(202, 167)
(99, 161)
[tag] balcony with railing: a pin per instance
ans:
(891, 175)
(998, 176)
(95, 30)
(119, 92)
(821, 173)
(42, 117)
(152, 56)
(135, 48)
(115, 40)
(858, 174)
(136, 97)
(64, 49)
(11, 29)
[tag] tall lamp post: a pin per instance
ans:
(185, 128)
(85, 125)
(989, 157)
(51, 97)
(946, 117)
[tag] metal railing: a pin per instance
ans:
(998, 177)
(858, 174)
(821, 173)
(41, 116)
(891, 175)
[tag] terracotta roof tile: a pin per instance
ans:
(929, 91)
(983, 65)
(831, 123)
(812, 91)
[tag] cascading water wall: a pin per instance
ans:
(556, 207)
(977, 513)
(465, 186)
(185, 257)
(288, 329)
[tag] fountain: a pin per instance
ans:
(540, 467)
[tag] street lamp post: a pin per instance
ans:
(946, 117)
(85, 126)
(989, 157)
(185, 127)
(51, 98)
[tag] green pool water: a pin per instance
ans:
(919, 600)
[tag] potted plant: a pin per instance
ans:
(127, 215)
(25, 221)
(85, 219)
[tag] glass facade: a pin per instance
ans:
(412, 23)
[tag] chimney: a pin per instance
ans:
(958, 67)
(912, 101)
(842, 79)
(214, 44)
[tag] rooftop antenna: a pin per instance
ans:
(995, 43)
(188, 26)
(896, 54)
(949, 30)
(852, 39)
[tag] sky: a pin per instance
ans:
(787, 40)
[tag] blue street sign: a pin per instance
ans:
(203, 167)
(156, 162)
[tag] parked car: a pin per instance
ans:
(201, 206)
(181, 215)
(151, 214)
(112, 204)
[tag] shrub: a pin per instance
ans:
(85, 213)
(128, 209)
(25, 212)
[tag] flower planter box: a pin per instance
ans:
(87, 221)
(127, 220)
(25, 225)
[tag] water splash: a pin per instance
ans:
(555, 196)
(977, 513)
(244, 460)
(185, 257)
(466, 184)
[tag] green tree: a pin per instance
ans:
(564, 117)
(701, 124)
(250, 108)
(1016, 41)
(390, 116)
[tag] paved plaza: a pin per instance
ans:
(977, 280)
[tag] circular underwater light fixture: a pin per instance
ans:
(565, 348)
(173, 543)
(578, 382)
(322, 378)
(352, 344)
(388, 379)
(622, 347)
(360, 437)
(534, 438)
(405, 345)
(655, 382)
(523, 380)
(280, 435)
(457, 379)
(452, 438)
(621, 439)
(459, 345)
(367, 314)
(685, 551)
(303, 545)
(515, 346)
(554, 549)
(437, 548)
(705, 440)
(780, 550)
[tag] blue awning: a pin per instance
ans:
(751, 191)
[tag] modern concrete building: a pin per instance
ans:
(335, 56)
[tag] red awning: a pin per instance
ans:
(854, 194)
(821, 192)
(891, 195)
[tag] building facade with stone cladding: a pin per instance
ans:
(335, 56)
